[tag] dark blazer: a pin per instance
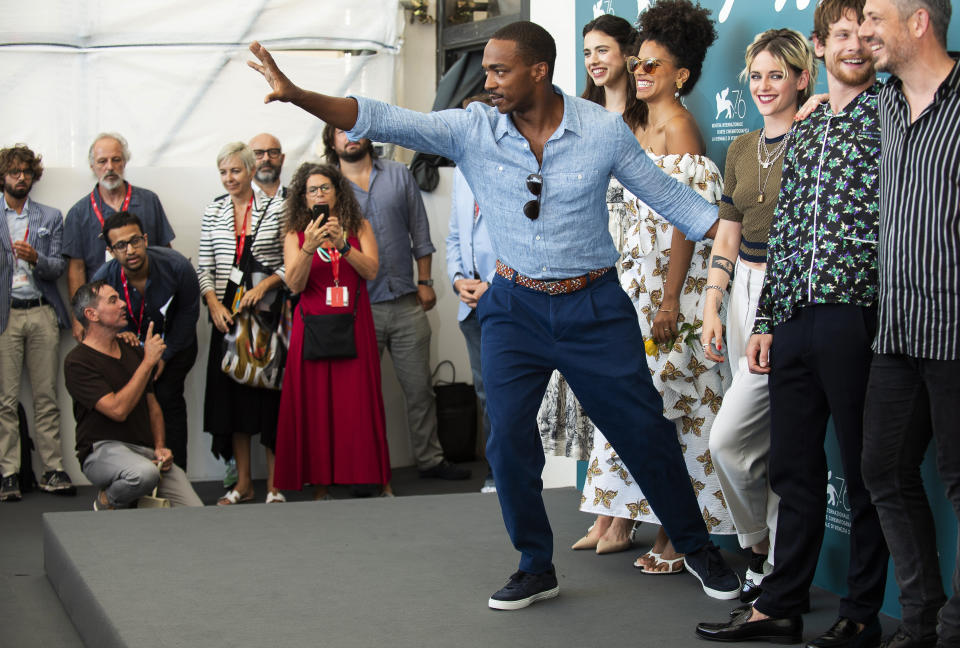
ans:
(46, 237)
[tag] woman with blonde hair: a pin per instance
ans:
(781, 70)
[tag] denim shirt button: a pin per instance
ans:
(538, 237)
(579, 176)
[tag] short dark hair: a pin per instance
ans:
(86, 297)
(534, 43)
(12, 157)
(117, 220)
(830, 11)
(330, 151)
(297, 216)
(684, 29)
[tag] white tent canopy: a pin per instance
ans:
(171, 75)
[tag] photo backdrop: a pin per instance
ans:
(724, 109)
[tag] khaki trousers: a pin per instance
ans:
(31, 340)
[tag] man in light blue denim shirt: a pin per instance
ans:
(539, 163)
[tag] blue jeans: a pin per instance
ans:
(593, 337)
(470, 327)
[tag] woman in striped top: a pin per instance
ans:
(238, 223)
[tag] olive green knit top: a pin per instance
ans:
(741, 188)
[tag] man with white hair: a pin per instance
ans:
(82, 243)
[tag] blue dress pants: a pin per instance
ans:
(593, 338)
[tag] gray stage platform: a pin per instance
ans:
(412, 571)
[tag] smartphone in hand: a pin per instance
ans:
(321, 213)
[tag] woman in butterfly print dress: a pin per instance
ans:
(608, 40)
(665, 276)
(782, 70)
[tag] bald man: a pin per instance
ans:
(269, 154)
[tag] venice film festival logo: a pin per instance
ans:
(728, 121)
(838, 504)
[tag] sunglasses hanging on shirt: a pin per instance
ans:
(535, 186)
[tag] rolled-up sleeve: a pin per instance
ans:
(441, 132)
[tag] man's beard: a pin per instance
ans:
(267, 174)
(355, 155)
(19, 194)
(111, 184)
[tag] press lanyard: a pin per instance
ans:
(25, 235)
(96, 207)
(126, 293)
(335, 265)
(242, 235)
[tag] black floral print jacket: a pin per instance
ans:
(823, 239)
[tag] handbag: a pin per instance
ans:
(456, 416)
(330, 335)
(255, 349)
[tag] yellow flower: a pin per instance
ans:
(650, 347)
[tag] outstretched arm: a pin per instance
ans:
(339, 111)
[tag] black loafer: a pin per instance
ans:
(845, 634)
(445, 470)
(787, 630)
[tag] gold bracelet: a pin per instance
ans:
(667, 310)
(305, 252)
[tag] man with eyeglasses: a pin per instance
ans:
(30, 312)
(266, 149)
(159, 286)
(82, 243)
(538, 163)
(390, 199)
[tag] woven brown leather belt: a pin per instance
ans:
(558, 287)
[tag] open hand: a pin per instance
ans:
(283, 88)
(810, 105)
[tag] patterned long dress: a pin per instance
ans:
(691, 386)
(565, 428)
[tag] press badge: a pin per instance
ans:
(338, 296)
(236, 275)
(20, 279)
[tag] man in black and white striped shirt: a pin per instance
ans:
(915, 376)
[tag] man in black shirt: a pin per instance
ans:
(120, 431)
(159, 286)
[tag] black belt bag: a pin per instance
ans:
(330, 335)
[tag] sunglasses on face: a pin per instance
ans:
(648, 65)
(535, 186)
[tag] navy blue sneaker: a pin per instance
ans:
(523, 589)
(716, 577)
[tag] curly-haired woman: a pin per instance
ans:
(332, 427)
(665, 274)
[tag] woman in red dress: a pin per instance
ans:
(331, 428)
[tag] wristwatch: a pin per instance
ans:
(426, 282)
